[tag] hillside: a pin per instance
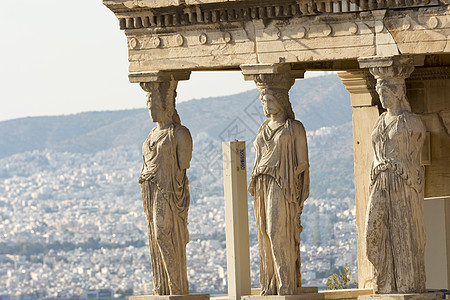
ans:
(69, 194)
(321, 103)
(318, 102)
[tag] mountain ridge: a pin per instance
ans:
(318, 102)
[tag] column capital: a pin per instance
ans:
(392, 67)
(361, 86)
(163, 87)
(159, 76)
(251, 70)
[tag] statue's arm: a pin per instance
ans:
(142, 176)
(301, 147)
(416, 133)
(184, 147)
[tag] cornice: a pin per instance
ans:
(137, 14)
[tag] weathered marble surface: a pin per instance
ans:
(165, 189)
(423, 296)
(172, 297)
(279, 185)
(395, 231)
(309, 296)
(198, 35)
(345, 294)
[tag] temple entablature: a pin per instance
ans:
(313, 35)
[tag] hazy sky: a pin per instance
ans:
(63, 57)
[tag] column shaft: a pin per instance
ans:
(365, 112)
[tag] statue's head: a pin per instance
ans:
(274, 90)
(276, 100)
(391, 86)
(161, 100)
(392, 93)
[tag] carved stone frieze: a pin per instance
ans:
(298, 40)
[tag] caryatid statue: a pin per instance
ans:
(395, 231)
(167, 152)
(279, 185)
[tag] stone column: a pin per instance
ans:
(167, 152)
(428, 91)
(429, 94)
(279, 182)
(365, 112)
(394, 226)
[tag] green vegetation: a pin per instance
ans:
(332, 177)
(332, 219)
(317, 238)
(341, 281)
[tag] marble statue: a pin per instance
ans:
(167, 152)
(395, 232)
(279, 185)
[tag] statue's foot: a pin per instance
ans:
(284, 291)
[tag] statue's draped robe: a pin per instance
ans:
(278, 199)
(395, 230)
(165, 193)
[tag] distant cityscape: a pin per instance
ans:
(72, 226)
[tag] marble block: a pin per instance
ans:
(424, 296)
(346, 293)
(306, 296)
(304, 293)
(171, 297)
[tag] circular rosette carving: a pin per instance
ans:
(179, 40)
(203, 38)
(155, 41)
(433, 22)
(227, 37)
(133, 43)
(301, 33)
(406, 24)
(327, 30)
(379, 26)
(353, 28)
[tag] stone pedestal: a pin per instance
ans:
(345, 294)
(304, 293)
(437, 251)
(425, 296)
(309, 296)
(172, 297)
